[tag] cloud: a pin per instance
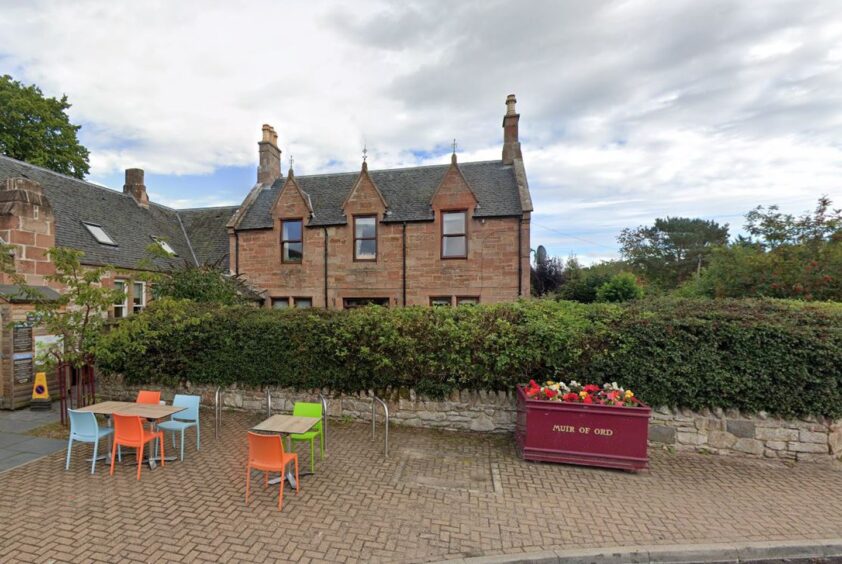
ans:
(631, 109)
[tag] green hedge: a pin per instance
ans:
(776, 356)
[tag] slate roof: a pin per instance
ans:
(15, 294)
(206, 229)
(407, 191)
(131, 226)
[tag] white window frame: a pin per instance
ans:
(137, 308)
(99, 234)
(124, 305)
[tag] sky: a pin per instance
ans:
(630, 110)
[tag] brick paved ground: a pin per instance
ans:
(440, 495)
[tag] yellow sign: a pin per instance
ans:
(39, 388)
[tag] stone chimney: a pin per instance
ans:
(269, 169)
(511, 144)
(135, 187)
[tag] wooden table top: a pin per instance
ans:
(106, 407)
(286, 424)
(145, 410)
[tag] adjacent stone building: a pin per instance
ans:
(433, 235)
(40, 209)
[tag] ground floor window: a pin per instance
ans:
(287, 302)
(351, 303)
(121, 306)
(449, 300)
(302, 303)
(139, 297)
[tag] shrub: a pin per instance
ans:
(776, 356)
(621, 288)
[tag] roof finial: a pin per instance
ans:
(291, 161)
(453, 156)
(365, 156)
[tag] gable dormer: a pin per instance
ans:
(291, 200)
(365, 197)
(454, 191)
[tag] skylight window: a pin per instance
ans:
(99, 234)
(165, 246)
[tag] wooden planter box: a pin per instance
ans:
(577, 433)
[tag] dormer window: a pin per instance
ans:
(454, 240)
(165, 246)
(99, 234)
(292, 241)
(365, 238)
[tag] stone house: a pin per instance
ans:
(40, 209)
(432, 235)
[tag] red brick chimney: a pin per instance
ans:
(511, 144)
(269, 168)
(135, 187)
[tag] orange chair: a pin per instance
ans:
(266, 452)
(148, 396)
(129, 432)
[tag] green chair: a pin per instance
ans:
(302, 409)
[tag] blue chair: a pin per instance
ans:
(183, 419)
(84, 428)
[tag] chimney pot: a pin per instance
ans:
(510, 105)
(511, 142)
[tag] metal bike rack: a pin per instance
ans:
(217, 411)
(374, 400)
(268, 402)
(324, 421)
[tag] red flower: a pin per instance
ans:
(572, 396)
(587, 399)
(532, 392)
(550, 393)
(591, 388)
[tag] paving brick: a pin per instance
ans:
(435, 498)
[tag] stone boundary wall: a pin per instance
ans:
(719, 432)
(730, 432)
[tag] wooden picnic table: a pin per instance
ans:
(287, 425)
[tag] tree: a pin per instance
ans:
(547, 274)
(621, 288)
(581, 284)
(37, 130)
(79, 313)
(783, 257)
(204, 284)
(673, 249)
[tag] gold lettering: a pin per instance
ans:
(562, 428)
(603, 432)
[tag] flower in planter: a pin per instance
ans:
(574, 392)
